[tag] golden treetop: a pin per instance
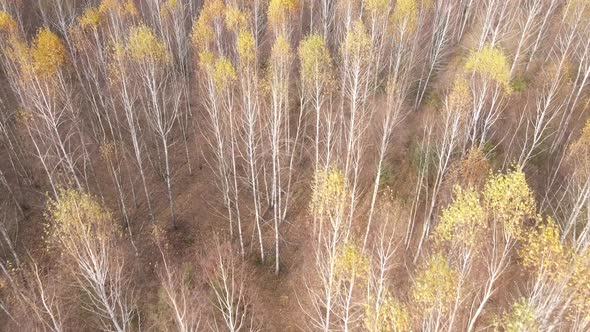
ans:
(118, 7)
(376, 7)
(245, 46)
(19, 50)
(350, 262)
(7, 23)
(90, 18)
(202, 32)
(108, 151)
(543, 251)
(235, 19)
(435, 284)
(329, 191)
(392, 316)
(207, 61)
(579, 286)
(129, 9)
(405, 15)
(144, 45)
(106, 6)
(224, 73)
(520, 318)
(281, 50)
(357, 43)
(492, 63)
(76, 214)
(316, 62)
(463, 221)
(169, 6)
(279, 11)
(48, 53)
(510, 200)
(459, 99)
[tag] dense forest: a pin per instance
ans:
(294, 165)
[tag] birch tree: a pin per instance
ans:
(162, 98)
(84, 233)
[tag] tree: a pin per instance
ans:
(45, 96)
(316, 80)
(451, 136)
(461, 228)
(329, 202)
(489, 78)
(544, 253)
(394, 114)
(151, 57)
(84, 233)
(280, 13)
(282, 141)
(251, 122)
(510, 203)
(178, 291)
(521, 317)
(577, 192)
(434, 290)
(227, 280)
(356, 50)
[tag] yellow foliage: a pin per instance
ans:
(376, 7)
(107, 6)
(435, 284)
(90, 18)
(126, 9)
(463, 221)
(279, 11)
(329, 191)
(459, 98)
(350, 262)
(168, 8)
(129, 9)
(170, 5)
(203, 33)
(235, 19)
(520, 318)
(224, 73)
(206, 60)
(392, 316)
(18, 50)
(77, 215)
(510, 199)
(579, 286)
(7, 23)
(48, 53)
(281, 49)
(108, 151)
(491, 63)
(144, 45)
(405, 15)
(118, 51)
(542, 249)
(357, 43)
(245, 46)
(280, 58)
(316, 62)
